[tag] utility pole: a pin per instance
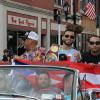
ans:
(98, 17)
(74, 18)
(74, 12)
(57, 18)
(59, 29)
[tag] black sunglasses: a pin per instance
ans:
(96, 43)
(71, 36)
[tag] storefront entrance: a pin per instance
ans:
(15, 42)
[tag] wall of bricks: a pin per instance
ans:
(45, 4)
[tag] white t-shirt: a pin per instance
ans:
(70, 53)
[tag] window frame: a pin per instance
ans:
(59, 2)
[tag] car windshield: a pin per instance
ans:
(43, 82)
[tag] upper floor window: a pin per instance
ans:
(83, 4)
(59, 2)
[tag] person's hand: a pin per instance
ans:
(92, 64)
(77, 56)
(18, 57)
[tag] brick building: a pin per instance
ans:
(20, 16)
(88, 25)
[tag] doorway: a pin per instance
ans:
(13, 41)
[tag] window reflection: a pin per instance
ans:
(4, 82)
(38, 82)
(68, 80)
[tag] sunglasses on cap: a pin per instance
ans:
(96, 43)
(71, 36)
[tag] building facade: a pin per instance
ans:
(88, 25)
(20, 16)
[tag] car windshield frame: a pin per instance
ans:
(74, 71)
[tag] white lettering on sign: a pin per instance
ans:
(20, 21)
(54, 26)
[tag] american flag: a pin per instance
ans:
(90, 10)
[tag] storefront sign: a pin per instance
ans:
(54, 26)
(21, 21)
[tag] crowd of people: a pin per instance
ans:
(31, 51)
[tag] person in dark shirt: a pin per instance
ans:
(32, 51)
(93, 55)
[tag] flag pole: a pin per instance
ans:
(74, 18)
(74, 12)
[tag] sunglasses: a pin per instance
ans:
(96, 43)
(71, 36)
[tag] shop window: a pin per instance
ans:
(53, 39)
(13, 38)
(43, 39)
(11, 41)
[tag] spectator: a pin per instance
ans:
(32, 52)
(68, 39)
(6, 56)
(93, 55)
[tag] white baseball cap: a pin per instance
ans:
(33, 35)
